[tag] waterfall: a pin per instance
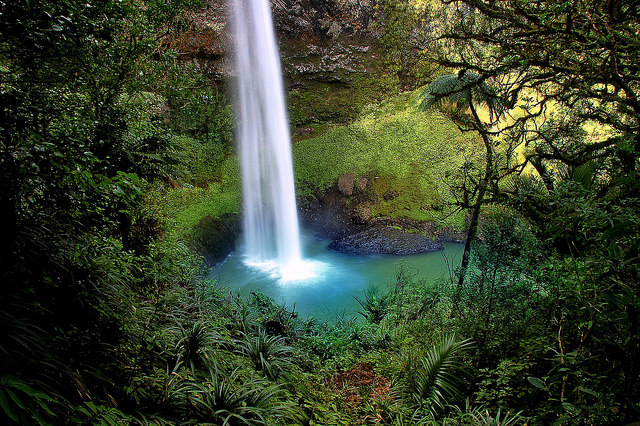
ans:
(270, 222)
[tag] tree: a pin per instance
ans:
(402, 42)
(465, 91)
(543, 55)
(69, 189)
(569, 73)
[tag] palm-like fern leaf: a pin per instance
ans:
(460, 90)
(435, 378)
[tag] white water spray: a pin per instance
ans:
(270, 222)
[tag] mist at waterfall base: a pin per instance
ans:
(338, 278)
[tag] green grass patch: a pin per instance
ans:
(406, 152)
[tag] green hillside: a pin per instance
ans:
(400, 148)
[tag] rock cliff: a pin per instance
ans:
(330, 53)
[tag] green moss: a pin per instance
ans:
(183, 208)
(322, 102)
(403, 150)
(339, 102)
(407, 155)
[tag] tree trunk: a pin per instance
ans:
(475, 214)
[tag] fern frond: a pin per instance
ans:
(460, 90)
(435, 378)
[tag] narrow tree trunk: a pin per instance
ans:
(475, 213)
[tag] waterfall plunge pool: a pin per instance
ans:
(330, 280)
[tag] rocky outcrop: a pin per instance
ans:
(215, 237)
(380, 239)
(330, 216)
(309, 31)
(442, 234)
(341, 210)
(344, 214)
(314, 20)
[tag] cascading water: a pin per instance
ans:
(270, 222)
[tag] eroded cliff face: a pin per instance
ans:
(330, 53)
(324, 19)
(326, 40)
(304, 27)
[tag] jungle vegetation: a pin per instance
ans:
(112, 149)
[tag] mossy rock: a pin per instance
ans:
(215, 237)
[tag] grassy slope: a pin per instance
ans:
(402, 149)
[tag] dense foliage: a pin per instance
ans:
(567, 160)
(112, 151)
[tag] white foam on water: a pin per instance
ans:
(298, 272)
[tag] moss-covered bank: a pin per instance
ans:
(404, 156)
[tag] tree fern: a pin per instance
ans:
(435, 378)
(465, 90)
(461, 90)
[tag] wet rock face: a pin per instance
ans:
(207, 37)
(319, 39)
(342, 209)
(380, 239)
(326, 41)
(215, 237)
(331, 217)
(330, 53)
(343, 213)
(323, 19)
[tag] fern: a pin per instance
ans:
(374, 306)
(435, 378)
(460, 90)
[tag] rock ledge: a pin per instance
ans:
(379, 239)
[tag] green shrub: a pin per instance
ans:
(268, 354)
